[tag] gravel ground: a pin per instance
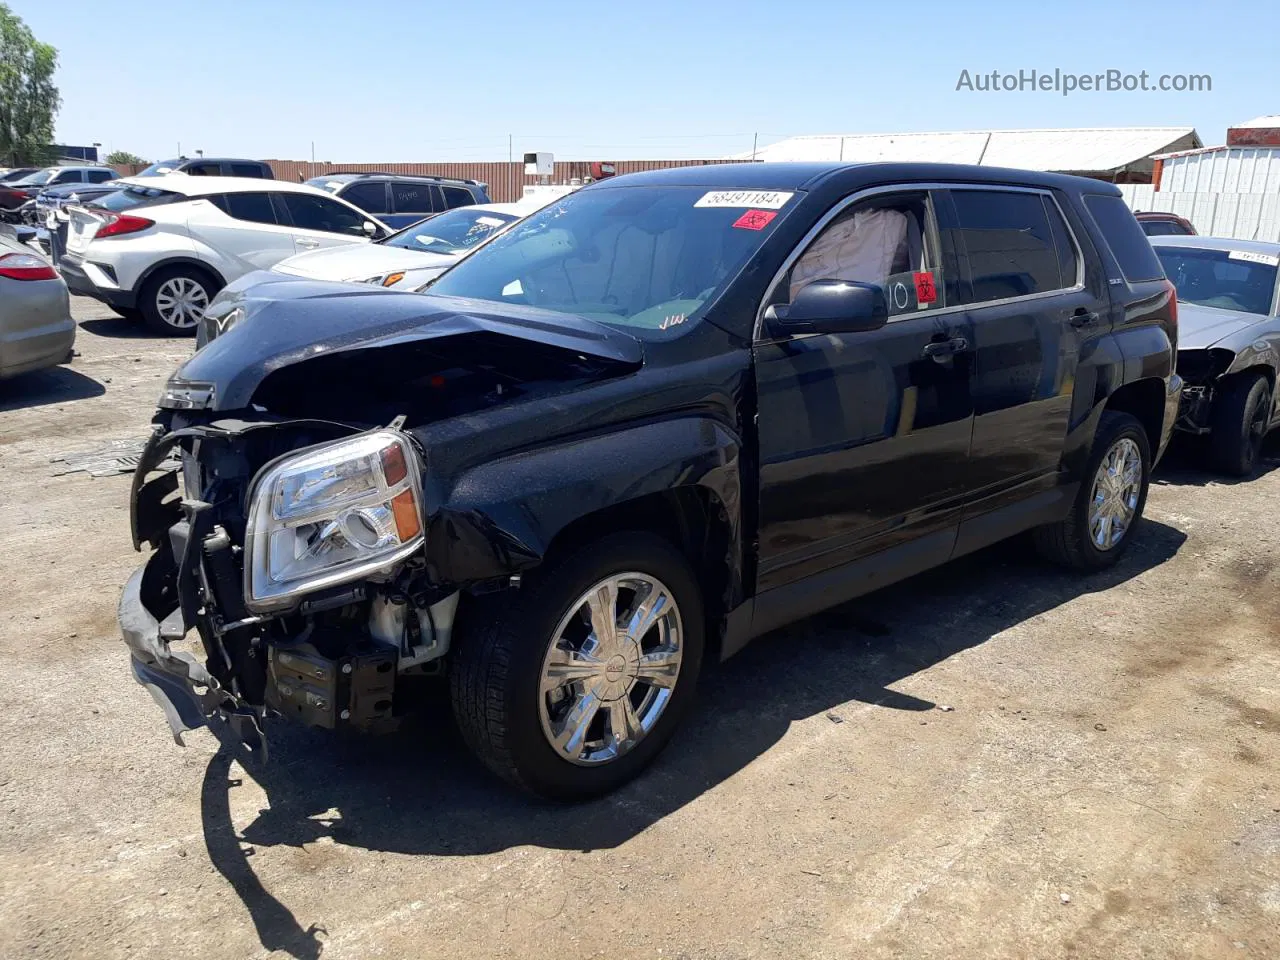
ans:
(991, 760)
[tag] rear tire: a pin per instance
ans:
(1238, 424)
(511, 709)
(1074, 541)
(173, 300)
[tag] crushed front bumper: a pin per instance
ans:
(151, 621)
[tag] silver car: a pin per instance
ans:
(36, 329)
(1228, 342)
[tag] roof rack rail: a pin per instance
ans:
(389, 173)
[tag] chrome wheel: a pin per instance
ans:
(1117, 487)
(181, 302)
(611, 668)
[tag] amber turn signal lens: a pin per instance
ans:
(406, 514)
(391, 279)
(393, 465)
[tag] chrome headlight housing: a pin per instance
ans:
(336, 513)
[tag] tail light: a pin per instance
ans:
(24, 266)
(118, 224)
(11, 196)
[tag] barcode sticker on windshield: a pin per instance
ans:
(1251, 257)
(760, 199)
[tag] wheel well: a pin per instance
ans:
(193, 265)
(1262, 368)
(692, 518)
(1143, 399)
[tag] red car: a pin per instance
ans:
(1165, 225)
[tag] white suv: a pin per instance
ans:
(161, 250)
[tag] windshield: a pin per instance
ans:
(158, 169)
(326, 183)
(452, 232)
(134, 197)
(638, 257)
(1228, 279)
(37, 179)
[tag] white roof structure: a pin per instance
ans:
(1105, 150)
(1271, 120)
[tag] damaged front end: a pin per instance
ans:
(293, 548)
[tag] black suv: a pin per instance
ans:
(400, 200)
(210, 167)
(662, 416)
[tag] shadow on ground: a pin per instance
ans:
(42, 387)
(121, 328)
(419, 793)
(1185, 463)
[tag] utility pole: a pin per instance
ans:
(755, 140)
(511, 174)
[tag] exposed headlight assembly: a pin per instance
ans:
(187, 395)
(330, 515)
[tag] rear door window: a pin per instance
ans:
(457, 197)
(368, 195)
(102, 176)
(1128, 243)
(1008, 244)
(247, 170)
(413, 196)
(251, 207)
(310, 212)
(68, 176)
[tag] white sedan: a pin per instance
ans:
(416, 254)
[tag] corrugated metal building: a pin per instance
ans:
(1249, 162)
(1122, 154)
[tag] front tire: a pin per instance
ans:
(570, 685)
(1241, 415)
(173, 301)
(1108, 507)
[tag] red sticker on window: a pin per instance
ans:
(926, 292)
(755, 219)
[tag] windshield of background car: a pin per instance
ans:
(37, 179)
(1228, 279)
(131, 197)
(638, 257)
(328, 184)
(159, 169)
(451, 232)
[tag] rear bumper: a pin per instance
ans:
(79, 282)
(36, 328)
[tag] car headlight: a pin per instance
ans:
(187, 395)
(384, 279)
(337, 513)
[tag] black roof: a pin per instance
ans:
(806, 176)
(350, 175)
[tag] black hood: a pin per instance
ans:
(286, 321)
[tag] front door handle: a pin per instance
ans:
(945, 348)
(306, 242)
(1083, 317)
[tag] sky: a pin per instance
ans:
(420, 80)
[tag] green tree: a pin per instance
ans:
(123, 156)
(28, 99)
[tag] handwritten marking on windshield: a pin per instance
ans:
(674, 320)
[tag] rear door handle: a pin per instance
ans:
(945, 348)
(1083, 317)
(306, 242)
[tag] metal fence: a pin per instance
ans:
(506, 180)
(1241, 216)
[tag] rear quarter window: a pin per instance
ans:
(1129, 245)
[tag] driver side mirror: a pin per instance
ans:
(371, 230)
(830, 306)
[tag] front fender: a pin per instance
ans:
(499, 518)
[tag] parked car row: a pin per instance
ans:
(17, 196)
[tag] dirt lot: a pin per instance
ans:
(992, 760)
